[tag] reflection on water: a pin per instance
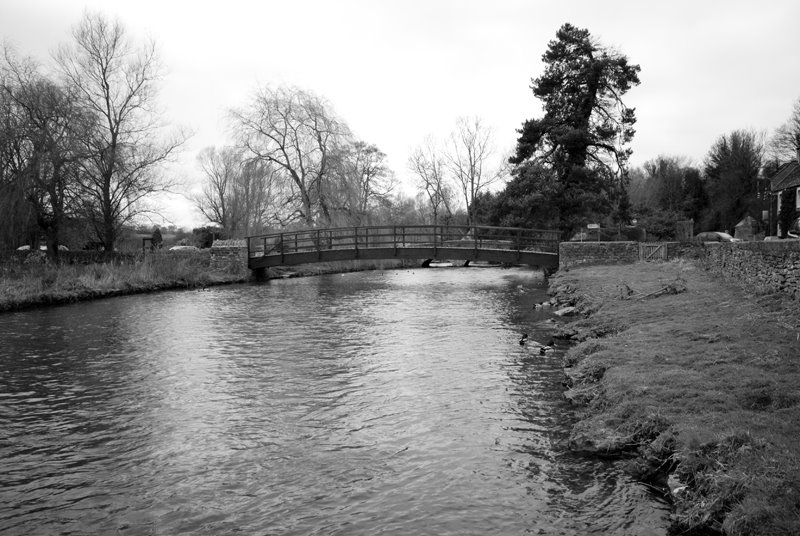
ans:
(391, 402)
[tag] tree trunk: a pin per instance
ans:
(109, 235)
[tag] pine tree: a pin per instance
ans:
(586, 126)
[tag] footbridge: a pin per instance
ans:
(514, 245)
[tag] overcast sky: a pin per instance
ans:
(397, 71)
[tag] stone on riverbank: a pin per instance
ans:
(567, 311)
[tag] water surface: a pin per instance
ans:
(394, 402)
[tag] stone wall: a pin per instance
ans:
(571, 254)
(772, 266)
(229, 256)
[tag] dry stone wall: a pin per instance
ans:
(764, 266)
(772, 266)
(229, 256)
(571, 254)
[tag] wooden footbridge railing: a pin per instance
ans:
(468, 243)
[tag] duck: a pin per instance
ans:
(523, 339)
(541, 349)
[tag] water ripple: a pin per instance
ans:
(373, 403)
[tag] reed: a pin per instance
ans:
(26, 282)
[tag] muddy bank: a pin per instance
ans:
(695, 383)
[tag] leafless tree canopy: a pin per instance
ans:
(238, 192)
(323, 174)
(427, 165)
(467, 159)
(39, 148)
(785, 143)
(362, 183)
(294, 131)
(116, 84)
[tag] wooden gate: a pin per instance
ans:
(652, 251)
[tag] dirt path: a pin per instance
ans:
(699, 380)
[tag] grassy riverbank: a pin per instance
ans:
(698, 381)
(27, 282)
(30, 281)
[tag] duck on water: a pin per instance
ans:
(541, 348)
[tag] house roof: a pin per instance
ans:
(787, 176)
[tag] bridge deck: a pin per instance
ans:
(495, 244)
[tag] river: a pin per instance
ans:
(393, 402)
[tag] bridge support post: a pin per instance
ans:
(260, 274)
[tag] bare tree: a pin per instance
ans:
(467, 157)
(42, 127)
(785, 143)
(295, 131)
(219, 169)
(362, 183)
(17, 216)
(116, 84)
(237, 191)
(665, 177)
(254, 196)
(428, 165)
